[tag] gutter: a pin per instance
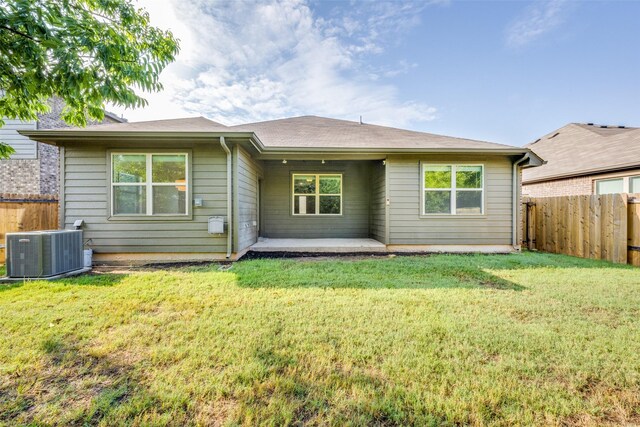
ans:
(516, 199)
(229, 201)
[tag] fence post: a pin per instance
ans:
(633, 231)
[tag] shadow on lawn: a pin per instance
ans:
(88, 388)
(404, 273)
(89, 279)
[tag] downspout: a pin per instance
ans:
(229, 201)
(516, 199)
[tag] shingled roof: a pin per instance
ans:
(189, 124)
(297, 133)
(584, 149)
(315, 132)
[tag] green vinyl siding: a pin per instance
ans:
(407, 226)
(278, 220)
(377, 222)
(247, 172)
(86, 193)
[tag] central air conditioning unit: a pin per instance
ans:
(43, 253)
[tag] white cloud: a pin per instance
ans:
(244, 61)
(538, 19)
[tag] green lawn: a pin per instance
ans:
(442, 340)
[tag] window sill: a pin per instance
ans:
(451, 216)
(317, 215)
(150, 218)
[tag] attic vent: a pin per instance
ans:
(589, 124)
(554, 135)
(604, 126)
(621, 127)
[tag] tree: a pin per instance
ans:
(87, 52)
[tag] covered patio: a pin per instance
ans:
(323, 245)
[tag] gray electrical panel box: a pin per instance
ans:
(216, 224)
(44, 253)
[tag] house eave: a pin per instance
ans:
(62, 137)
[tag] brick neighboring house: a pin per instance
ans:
(33, 168)
(585, 159)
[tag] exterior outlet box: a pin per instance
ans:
(197, 202)
(216, 225)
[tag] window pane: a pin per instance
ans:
(304, 205)
(469, 177)
(304, 184)
(169, 168)
(468, 202)
(437, 202)
(610, 186)
(330, 184)
(129, 168)
(168, 199)
(437, 176)
(634, 184)
(129, 199)
(330, 205)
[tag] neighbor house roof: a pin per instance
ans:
(584, 149)
(306, 133)
(190, 124)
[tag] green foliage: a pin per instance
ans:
(129, 168)
(87, 52)
(6, 151)
(469, 177)
(330, 184)
(437, 177)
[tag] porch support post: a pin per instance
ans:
(515, 216)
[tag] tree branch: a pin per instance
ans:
(19, 33)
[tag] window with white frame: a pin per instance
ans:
(317, 194)
(149, 184)
(623, 184)
(452, 189)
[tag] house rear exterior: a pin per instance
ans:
(585, 159)
(147, 191)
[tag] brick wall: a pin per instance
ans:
(571, 186)
(561, 187)
(40, 175)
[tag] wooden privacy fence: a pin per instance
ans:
(591, 226)
(26, 213)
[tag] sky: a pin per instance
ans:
(501, 71)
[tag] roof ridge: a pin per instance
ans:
(416, 132)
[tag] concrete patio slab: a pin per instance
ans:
(319, 245)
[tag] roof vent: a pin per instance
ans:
(589, 124)
(621, 127)
(554, 135)
(604, 126)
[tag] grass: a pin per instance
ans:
(443, 340)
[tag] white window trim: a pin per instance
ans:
(452, 189)
(149, 184)
(626, 183)
(316, 194)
